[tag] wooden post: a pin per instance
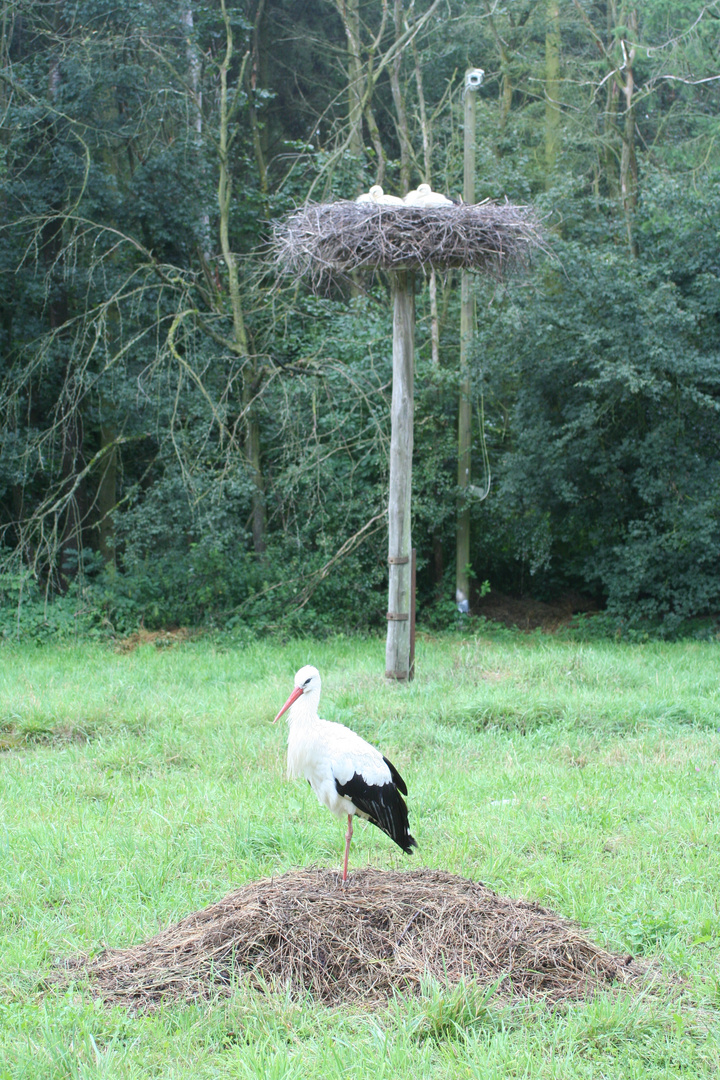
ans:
(413, 591)
(397, 649)
(467, 327)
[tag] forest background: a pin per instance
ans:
(188, 437)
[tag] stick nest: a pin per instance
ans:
(385, 932)
(328, 239)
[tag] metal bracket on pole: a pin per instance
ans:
(393, 616)
(398, 560)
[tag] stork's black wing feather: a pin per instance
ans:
(383, 804)
(397, 778)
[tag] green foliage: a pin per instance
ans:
(218, 478)
(138, 787)
(611, 477)
(449, 1012)
(25, 612)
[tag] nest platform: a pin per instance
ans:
(384, 933)
(327, 239)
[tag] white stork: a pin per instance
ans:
(372, 196)
(425, 196)
(376, 195)
(347, 774)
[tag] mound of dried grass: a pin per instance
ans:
(161, 639)
(384, 932)
(336, 238)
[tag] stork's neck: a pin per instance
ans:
(305, 709)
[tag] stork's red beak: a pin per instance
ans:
(293, 697)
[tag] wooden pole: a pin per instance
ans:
(467, 328)
(397, 648)
(413, 591)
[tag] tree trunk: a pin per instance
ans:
(242, 348)
(401, 121)
(397, 650)
(71, 526)
(427, 177)
(628, 157)
(506, 89)
(462, 566)
(71, 518)
(252, 453)
(350, 12)
(438, 568)
(610, 138)
(552, 89)
(194, 64)
(106, 499)
(376, 140)
(506, 86)
(253, 74)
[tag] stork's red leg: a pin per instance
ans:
(348, 838)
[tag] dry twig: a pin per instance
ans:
(386, 932)
(328, 239)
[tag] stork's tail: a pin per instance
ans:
(383, 805)
(407, 844)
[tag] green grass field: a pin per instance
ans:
(136, 788)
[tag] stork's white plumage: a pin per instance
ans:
(377, 195)
(374, 195)
(348, 775)
(391, 200)
(425, 196)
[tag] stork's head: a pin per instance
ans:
(307, 682)
(424, 189)
(375, 193)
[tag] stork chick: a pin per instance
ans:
(374, 195)
(377, 195)
(425, 196)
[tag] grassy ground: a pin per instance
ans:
(137, 788)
